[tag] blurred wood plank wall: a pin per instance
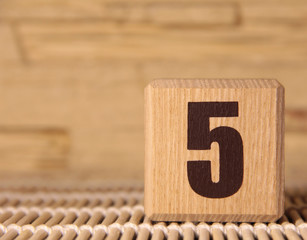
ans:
(72, 73)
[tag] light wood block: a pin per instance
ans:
(214, 150)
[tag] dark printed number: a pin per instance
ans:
(230, 149)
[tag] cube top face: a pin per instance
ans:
(214, 150)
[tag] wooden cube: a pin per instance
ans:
(214, 150)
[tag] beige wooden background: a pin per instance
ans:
(72, 74)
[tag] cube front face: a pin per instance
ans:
(214, 150)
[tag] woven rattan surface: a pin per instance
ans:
(115, 211)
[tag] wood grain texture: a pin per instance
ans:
(187, 13)
(173, 14)
(98, 40)
(63, 61)
(65, 99)
(50, 9)
(33, 148)
(260, 121)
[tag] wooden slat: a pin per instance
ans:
(28, 149)
(168, 13)
(157, 12)
(99, 41)
(291, 14)
(50, 9)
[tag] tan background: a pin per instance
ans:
(72, 74)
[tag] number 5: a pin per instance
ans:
(230, 149)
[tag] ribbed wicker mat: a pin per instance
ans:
(115, 211)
